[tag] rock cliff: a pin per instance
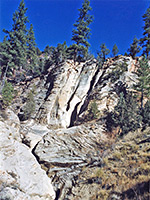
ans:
(58, 133)
(63, 93)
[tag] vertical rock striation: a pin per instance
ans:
(70, 88)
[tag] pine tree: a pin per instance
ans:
(102, 53)
(134, 48)
(31, 49)
(38, 52)
(145, 41)
(81, 33)
(19, 47)
(6, 54)
(19, 40)
(125, 115)
(17, 36)
(6, 57)
(59, 54)
(143, 85)
(93, 111)
(7, 94)
(29, 107)
(48, 51)
(115, 50)
(146, 113)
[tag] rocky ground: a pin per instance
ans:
(21, 177)
(55, 151)
(124, 172)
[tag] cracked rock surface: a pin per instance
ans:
(21, 176)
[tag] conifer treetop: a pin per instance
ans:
(81, 32)
(145, 41)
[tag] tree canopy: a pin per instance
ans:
(145, 41)
(134, 48)
(19, 47)
(115, 50)
(81, 32)
(143, 84)
(104, 51)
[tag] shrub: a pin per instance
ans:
(126, 115)
(29, 107)
(118, 71)
(146, 113)
(7, 94)
(93, 111)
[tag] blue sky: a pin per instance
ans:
(115, 21)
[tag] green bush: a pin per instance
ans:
(7, 94)
(146, 114)
(126, 115)
(93, 111)
(118, 71)
(29, 107)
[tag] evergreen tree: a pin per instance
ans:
(81, 33)
(115, 50)
(19, 47)
(6, 56)
(102, 53)
(31, 49)
(117, 72)
(126, 54)
(17, 36)
(7, 94)
(29, 107)
(48, 51)
(145, 41)
(134, 48)
(146, 114)
(59, 54)
(125, 115)
(143, 85)
(38, 52)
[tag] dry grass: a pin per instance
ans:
(125, 166)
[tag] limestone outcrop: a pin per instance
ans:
(64, 153)
(60, 95)
(69, 91)
(21, 176)
(106, 88)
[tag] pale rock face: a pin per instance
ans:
(69, 92)
(107, 97)
(32, 133)
(64, 152)
(61, 94)
(13, 123)
(21, 177)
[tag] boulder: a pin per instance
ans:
(21, 177)
(32, 132)
(64, 153)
